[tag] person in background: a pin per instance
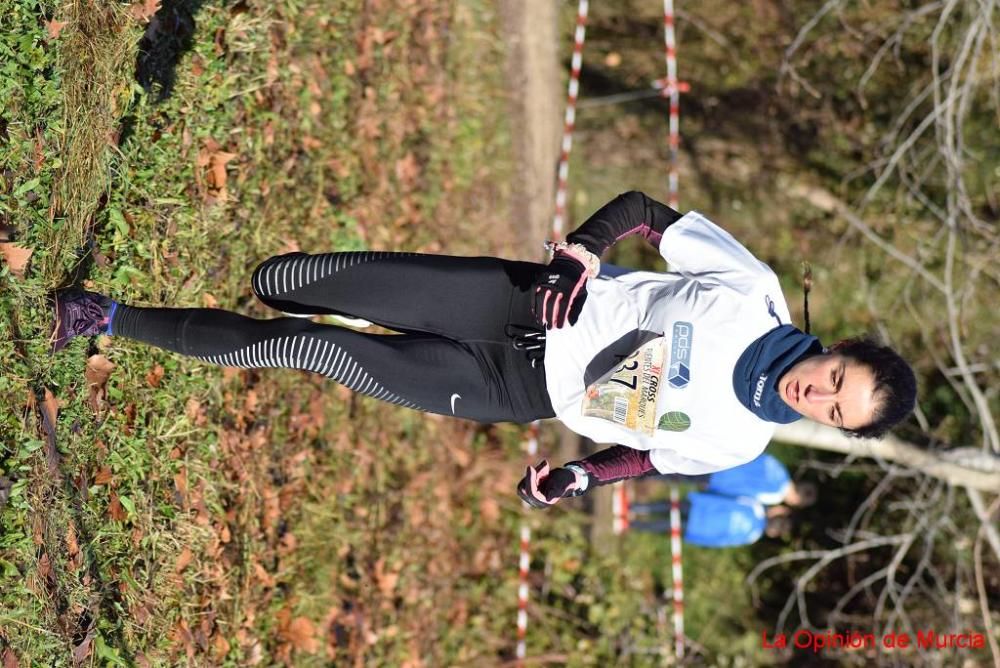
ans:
(714, 520)
(764, 478)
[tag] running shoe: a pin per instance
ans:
(80, 313)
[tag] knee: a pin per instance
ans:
(266, 278)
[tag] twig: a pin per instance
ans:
(984, 605)
(990, 436)
(896, 38)
(986, 524)
(786, 66)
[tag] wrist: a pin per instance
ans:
(582, 477)
(591, 262)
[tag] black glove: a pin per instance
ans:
(560, 291)
(541, 488)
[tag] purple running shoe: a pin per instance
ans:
(80, 313)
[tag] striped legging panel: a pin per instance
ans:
(284, 274)
(309, 354)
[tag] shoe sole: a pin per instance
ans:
(359, 323)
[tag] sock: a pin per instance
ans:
(109, 319)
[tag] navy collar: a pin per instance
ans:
(761, 366)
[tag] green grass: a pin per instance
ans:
(183, 524)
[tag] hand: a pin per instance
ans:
(541, 488)
(560, 291)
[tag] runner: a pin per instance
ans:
(688, 371)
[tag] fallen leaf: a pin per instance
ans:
(386, 580)
(81, 651)
(16, 257)
(262, 575)
(407, 170)
(182, 635)
(97, 373)
(144, 10)
(181, 483)
(10, 659)
(155, 375)
(72, 546)
(217, 175)
(183, 559)
(115, 509)
(54, 27)
(221, 646)
(208, 300)
(39, 151)
(273, 70)
(194, 411)
(489, 509)
(301, 633)
(50, 409)
(140, 613)
(250, 402)
(103, 476)
(44, 566)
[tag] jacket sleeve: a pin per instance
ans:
(629, 213)
(616, 463)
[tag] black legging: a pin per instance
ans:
(459, 317)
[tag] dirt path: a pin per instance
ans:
(536, 94)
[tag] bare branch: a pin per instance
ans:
(890, 448)
(990, 434)
(828, 556)
(984, 605)
(826, 201)
(986, 524)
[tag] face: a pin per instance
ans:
(831, 389)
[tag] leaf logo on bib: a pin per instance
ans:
(674, 421)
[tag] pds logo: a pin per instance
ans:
(679, 373)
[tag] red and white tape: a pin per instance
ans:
(524, 561)
(567, 139)
(522, 592)
(672, 90)
(531, 445)
(676, 573)
(619, 508)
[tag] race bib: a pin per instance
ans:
(627, 396)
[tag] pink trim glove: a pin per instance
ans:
(541, 488)
(561, 288)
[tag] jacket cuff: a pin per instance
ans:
(616, 463)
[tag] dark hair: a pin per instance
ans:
(808, 493)
(895, 384)
(779, 526)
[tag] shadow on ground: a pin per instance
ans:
(169, 34)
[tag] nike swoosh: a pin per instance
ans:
(453, 397)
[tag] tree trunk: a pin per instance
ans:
(891, 449)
